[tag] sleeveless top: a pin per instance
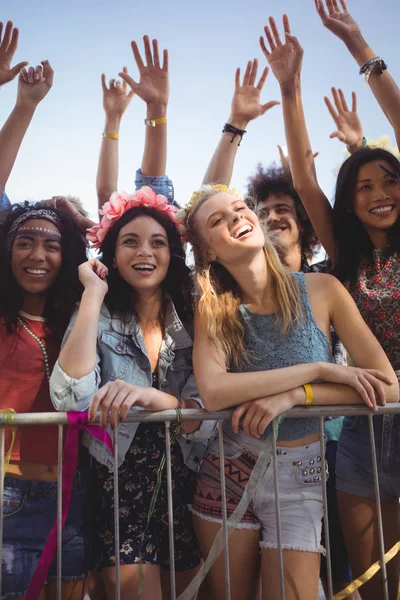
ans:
(377, 295)
(303, 343)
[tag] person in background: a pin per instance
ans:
(360, 234)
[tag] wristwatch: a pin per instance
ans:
(154, 122)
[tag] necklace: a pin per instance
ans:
(42, 347)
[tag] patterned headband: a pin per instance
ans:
(120, 203)
(34, 213)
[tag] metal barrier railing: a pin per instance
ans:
(169, 416)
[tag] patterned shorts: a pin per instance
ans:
(140, 540)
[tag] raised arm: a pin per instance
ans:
(285, 61)
(33, 85)
(116, 100)
(245, 107)
(153, 89)
(340, 22)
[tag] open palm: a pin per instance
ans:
(286, 59)
(337, 19)
(246, 104)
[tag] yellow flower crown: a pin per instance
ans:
(217, 187)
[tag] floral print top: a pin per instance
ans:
(377, 295)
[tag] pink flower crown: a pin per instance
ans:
(119, 203)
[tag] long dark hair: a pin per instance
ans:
(63, 294)
(177, 285)
(353, 241)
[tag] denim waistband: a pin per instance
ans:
(45, 489)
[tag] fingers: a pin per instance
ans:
(319, 5)
(379, 375)
(238, 414)
(24, 75)
(270, 39)
(329, 5)
(99, 268)
(336, 6)
(247, 72)
(137, 56)
(48, 72)
(95, 403)
(15, 70)
(339, 135)
(103, 83)
(286, 25)
(268, 105)
(156, 56)
(147, 51)
(111, 83)
(275, 31)
(353, 102)
(7, 36)
(263, 79)
(14, 41)
(264, 48)
(378, 387)
(237, 78)
(332, 111)
(253, 72)
(133, 85)
(343, 100)
(344, 6)
(165, 61)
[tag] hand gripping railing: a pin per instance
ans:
(168, 416)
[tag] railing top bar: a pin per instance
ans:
(60, 418)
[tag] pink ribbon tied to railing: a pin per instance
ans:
(77, 422)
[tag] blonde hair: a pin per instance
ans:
(218, 293)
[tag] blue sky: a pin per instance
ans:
(206, 40)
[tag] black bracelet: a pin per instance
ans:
(228, 128)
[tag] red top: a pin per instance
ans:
(24, 387)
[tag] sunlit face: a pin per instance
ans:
(36, 256)
(377, 196)
(142, 254)
(228, 228)
(282, 219)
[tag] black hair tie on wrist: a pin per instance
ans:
(228, 128)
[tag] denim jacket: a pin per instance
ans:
(121, 354)
(161, 184)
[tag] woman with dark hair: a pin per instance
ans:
(361, 236)
(40, 250)
(129, 347)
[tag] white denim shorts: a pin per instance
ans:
(300, 493)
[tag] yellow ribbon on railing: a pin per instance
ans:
(9, 413)
(357, 583)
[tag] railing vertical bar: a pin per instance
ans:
(378, 510)
(59, 512)
(224, 512)
(170, 509)
(325, 502)
(2, 475)
(116, 517)
(278, 513)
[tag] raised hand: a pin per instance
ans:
(93, 274)
(34, 83)
(285, 59)
(8, 46)
(246, 104)
(116, 99)
(349, 128)
(153, 86)
(337, 19)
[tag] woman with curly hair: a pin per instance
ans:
(40, 250)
